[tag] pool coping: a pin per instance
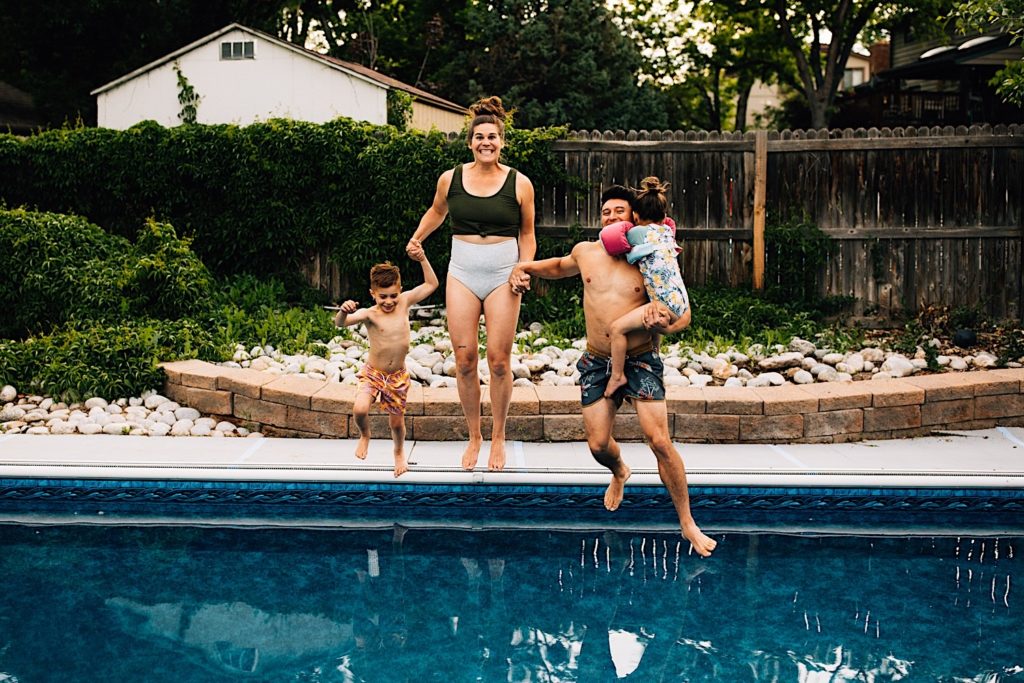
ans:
(827, 412)
(928, 475)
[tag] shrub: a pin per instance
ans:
(80, 360)
(796, 249)
(291, 330)
(166, 279)
(59, 268)
(54, 267)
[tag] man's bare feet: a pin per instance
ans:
(401, 466)
(697, 538)
(471, 454)
(613, 496)
(614, 383)
(496, 459)
(362, 447)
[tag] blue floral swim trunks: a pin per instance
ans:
(644, 381)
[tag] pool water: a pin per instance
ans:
(179, 603)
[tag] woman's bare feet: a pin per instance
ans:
(401, 466)
(614, 383)
(613, 496)
(362, 447)
(496, 459)
(697, 538)
(471, 454)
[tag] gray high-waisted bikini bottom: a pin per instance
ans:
(482, 268)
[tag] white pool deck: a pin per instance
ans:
(992, 458)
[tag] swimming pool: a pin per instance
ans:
(152, 601)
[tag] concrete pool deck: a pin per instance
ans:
(980, 459)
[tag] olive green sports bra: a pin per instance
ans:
(496, 215)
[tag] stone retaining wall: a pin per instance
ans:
(288, 405)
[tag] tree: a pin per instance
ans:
(711, 52)
(821, 34)
(400, 38)
(1007, 15)
(557, 61)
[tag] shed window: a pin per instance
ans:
(238, 50)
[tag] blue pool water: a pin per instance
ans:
(179, 603)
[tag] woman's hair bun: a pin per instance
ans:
(488, 106)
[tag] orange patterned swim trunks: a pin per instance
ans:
(391, 388)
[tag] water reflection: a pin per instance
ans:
(173, 604)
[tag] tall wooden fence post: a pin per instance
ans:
(760, 184)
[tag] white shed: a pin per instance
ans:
(242, 75)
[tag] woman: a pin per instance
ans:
(492, 225)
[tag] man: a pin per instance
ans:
(611, 288)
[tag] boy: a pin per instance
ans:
(384, 374)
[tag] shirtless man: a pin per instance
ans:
(611, 288)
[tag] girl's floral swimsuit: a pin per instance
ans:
(654, 250)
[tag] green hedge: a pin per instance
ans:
(258, 198)
(57, 268)
(114, 360)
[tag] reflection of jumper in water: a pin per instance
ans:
(625, 637)
(379, 619)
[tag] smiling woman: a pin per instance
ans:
(492, 212)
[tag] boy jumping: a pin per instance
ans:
(384, 374)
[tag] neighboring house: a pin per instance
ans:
(242, 75)
(763, 97)
(937, 81)
(17, 111)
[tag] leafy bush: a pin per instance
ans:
(80, 360)
(59, 268)
(739, 316)
(54, 267)
(166, 279)
(292, 330)
(796, 249)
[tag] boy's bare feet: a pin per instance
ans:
(362, 447)
(700, 542)
(471, 454)
(496, 459)
(613, 496)
(614, 383)
(401, 466)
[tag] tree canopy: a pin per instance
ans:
(1007, 15)
(587, 63)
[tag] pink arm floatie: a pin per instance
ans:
(613, 237)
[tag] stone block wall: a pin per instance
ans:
(288, 405)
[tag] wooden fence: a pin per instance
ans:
(919, 215)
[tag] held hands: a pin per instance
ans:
(519, 279)
(414, 249)
(349, 307)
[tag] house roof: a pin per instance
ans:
(937, 62)
(355, 70)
